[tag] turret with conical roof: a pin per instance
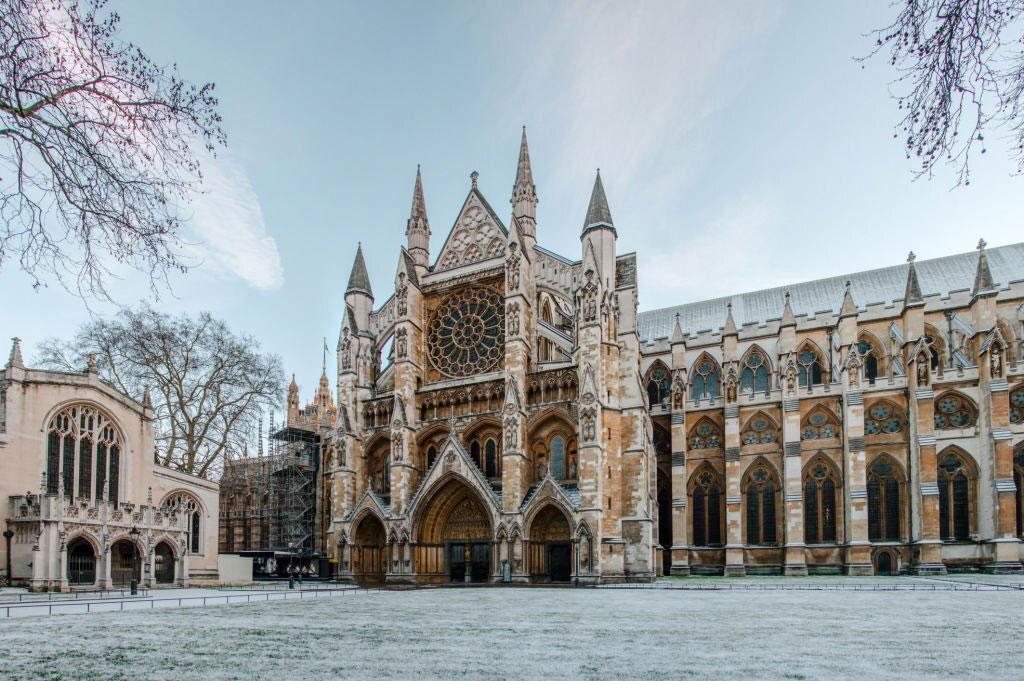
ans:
(599, 216)
(524, 195)
(358, 294)
(417, 229)
(599, 233)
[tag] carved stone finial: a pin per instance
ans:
(473, 177)
(92, 363)
(981, 244)
(911, 257)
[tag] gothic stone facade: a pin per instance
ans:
(84, 499)
(506, 414)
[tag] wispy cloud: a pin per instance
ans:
(229, 235)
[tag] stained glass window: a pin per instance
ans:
(467, 332)
(754, 378)
(883, 417)
(808, 367)
(706, 435)
(491, 457)
(870, 356)
(759, 431)
(819, 426)
(659, 386)
(1017, 406)
(760, 499)
(883, 501)
(79, 440)
(558, 457)
(820, 484)
(707, 511)
(705, 379)
(954, 411)
(954, 498)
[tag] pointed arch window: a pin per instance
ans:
(83, 454)
(760, 430)
(558, 457)
(705, 379)
(883, 417)
(761, 496)
(885, 491)
(754, 377)
(819, 425)
(706, 435)
(956, 482)
(431, 456)
(1017, 405)
(659, 385)
(954, 411)
(870, 353)
(474, 453)
(1018, 479)
(820, 504)
(491, 459)
(707, 509)
(934, 347)
(808, 363)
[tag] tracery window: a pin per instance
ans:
(955, 496)
(467, 332)
(819, 425)
(884, 493)
(869, 353)
(808, 366)
(760, 430)
(761, 496)
(820, 485)
(83, 451)
(754, 377)
(705, 379)
(659, 389)
(954, 411)
(1018, 480)
(706, 435)
(1017, 405)
(707, 509)
(883, 417)
(185, 503)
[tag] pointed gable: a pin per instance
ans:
(477, 234)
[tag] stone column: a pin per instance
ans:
(734, 566)
(928, 557)
(796, 562)
(858, 552)
(680, 549)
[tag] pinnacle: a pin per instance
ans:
(524, 173)
(359, 280)
(912, 294)
(419, 204)
(983, 276)
(598, 214)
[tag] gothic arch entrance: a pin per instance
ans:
(454, 536)
(550, 546)
(164, 569)
(124, 555)
(369, 551)
(81, 563)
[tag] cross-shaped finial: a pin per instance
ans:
(981, 244)
(911, 257)
(473, 176)
(787, 296)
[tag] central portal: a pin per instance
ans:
(456, 528)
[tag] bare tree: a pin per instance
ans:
(961, 74)
(209, 386)
(98, 147)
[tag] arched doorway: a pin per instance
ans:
(369, 550)
(454, 532)
(885, 563)
(550, 546)
(124, 555)
(164, 570)
(81, 563)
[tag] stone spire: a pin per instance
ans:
(598, 214)
(912, 296)
(359, 280)
(983, 276)
(524, 193)
(417, 229)
(15, 359)
(849, 308)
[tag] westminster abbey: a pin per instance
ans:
(506, 414)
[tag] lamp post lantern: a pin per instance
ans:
(135, 561)
(8, 535)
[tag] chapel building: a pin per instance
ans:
(506, 414)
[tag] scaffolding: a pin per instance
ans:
(269, 504)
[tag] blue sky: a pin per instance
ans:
(740, 144)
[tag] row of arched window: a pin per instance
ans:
(83, 454)
(762, 495)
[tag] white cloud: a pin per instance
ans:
(230, 235)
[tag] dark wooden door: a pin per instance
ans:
(457, 562)
(481, 567)
(559, 562)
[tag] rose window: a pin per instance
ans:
(467, 333)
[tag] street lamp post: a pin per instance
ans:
(8, 535)
(135, 561)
